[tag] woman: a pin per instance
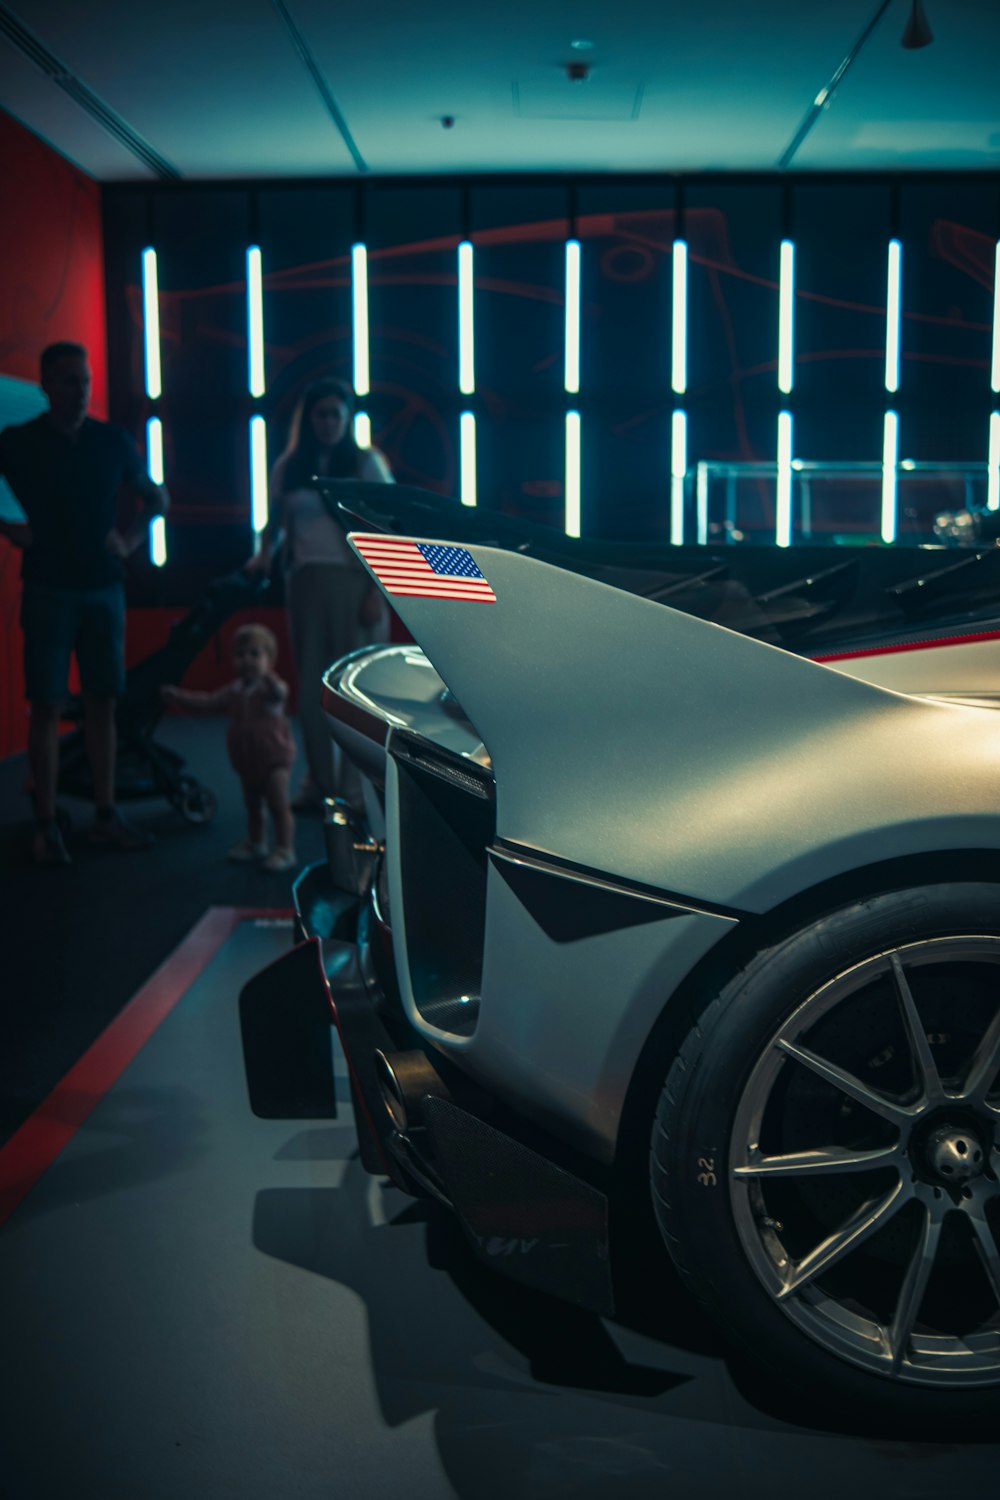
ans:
(333, 606)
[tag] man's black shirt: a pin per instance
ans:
(68, 488)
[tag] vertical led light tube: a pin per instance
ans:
(363, 429)
(678, 471)
(571, 524)
(893, 303)
(467, 456)
(993, 464)
(154, 468)
(890, 460)
(701, 502)
(679, 334)
(359, 303)
(255, 321)
(783, 494)
(786, 318)
(571, 379)
(258, 474)
(995, 361)
(466, 340)
(151, 323)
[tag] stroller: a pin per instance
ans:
(145, 767)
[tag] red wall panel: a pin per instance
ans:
(51, 287)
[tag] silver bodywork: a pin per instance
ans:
(704, 772)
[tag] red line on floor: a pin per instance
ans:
(33, 1148)
(929, 644)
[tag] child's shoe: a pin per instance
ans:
(245, 853)
(279, 860)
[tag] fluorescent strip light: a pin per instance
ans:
(151, 323)
(890, 458)
(701, 501)
(572, 378)
(154, 450)
(678, 470)
(466, 347)
(154, 467)
(158, 541)
(679, 331)
(255, 321)
(572, 521)
(258, 474)
(995, 362)
(467, 447)
(359, 297)
(892, 315)
(783, 494)
(363, 429)
(993, 464)
(786, 318)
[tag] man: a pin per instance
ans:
(65, 469)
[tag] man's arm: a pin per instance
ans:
(154, 501)
(18, 532)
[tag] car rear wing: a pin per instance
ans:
(631, 738)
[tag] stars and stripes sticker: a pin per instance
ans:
(424, 570)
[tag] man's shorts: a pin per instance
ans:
(56, 622)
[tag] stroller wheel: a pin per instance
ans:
(195, 802)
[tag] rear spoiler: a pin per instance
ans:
(628, 737)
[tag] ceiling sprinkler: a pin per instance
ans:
(577, 72)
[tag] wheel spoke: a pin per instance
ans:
(848, 1084)
(825, 1159)
(914, 1286)
(858, 1228)
(987, 1250)
(922, 1055)
(985, 1064)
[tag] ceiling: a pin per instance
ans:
(300, 88)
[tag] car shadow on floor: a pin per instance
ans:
(451, 1336)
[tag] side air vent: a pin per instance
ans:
(446, 824)
(454, 768)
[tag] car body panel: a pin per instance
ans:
(657, 757)
(629, 738)
(594, 820)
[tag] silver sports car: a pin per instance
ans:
(650, 926)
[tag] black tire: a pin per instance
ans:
(833, 991)
(195, 802)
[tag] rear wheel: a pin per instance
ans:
(826, 1154)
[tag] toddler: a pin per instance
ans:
(259, 740)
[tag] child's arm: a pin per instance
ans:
(275, 690)
(195, 702)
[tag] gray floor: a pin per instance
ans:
(79, 941)
(201, 1304)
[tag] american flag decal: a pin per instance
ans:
(424, 570)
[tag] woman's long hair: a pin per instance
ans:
(302, 452)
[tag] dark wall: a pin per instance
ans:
(733, 227)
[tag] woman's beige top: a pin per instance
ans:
(311, 533)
